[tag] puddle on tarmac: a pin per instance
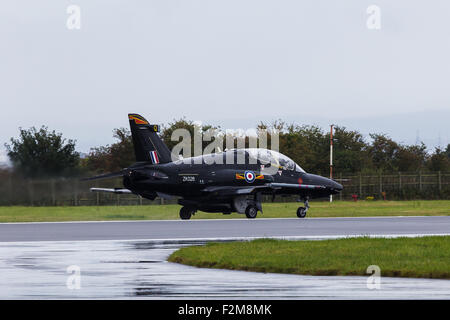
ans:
(138, 269)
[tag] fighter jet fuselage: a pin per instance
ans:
(230, 181)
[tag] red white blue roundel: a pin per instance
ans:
(249, 176)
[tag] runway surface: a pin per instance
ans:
(224, 228)
(137, 269)
(116, 262)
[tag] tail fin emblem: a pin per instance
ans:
(154, 157)
(137, 120)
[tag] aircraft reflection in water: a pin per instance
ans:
(205, 184)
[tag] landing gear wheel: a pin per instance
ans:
(301, 212)
(186, 213)
(251, 212)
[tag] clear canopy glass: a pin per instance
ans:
(266, 156)
(251, 155)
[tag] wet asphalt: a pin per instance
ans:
(223, 228)
(139, 270)
(128, 260)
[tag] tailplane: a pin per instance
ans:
(148, 146)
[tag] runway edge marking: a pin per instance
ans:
(205, 220)
(330, 237)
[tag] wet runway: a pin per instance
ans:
(223, 228)
(138, 269)
(116, 262)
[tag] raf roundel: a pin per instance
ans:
(249, 176)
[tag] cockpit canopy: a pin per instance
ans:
(250, 156)
(266, 157)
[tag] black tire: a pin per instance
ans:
(301, 212)
(185, 213)
(251, 212)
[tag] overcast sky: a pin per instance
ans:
(229, 63)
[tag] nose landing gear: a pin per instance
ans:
(301, 211)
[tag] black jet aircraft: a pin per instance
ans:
(206, 184)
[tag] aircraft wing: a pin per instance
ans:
(276, 185)
(152, 174)
(115, 190)
(243, 190)
(230, 191)
(106, 176)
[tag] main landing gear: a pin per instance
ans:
(301, 211)
(186, 213)
(251, 211)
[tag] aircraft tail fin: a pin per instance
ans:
(148, 146)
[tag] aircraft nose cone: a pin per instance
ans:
(337, 186)
(332, 185)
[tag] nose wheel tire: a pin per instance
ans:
(186, 213)
(251, 212)
(301, 212)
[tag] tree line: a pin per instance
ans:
(38, 153)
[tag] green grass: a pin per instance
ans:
(426, 257)
(271, 210)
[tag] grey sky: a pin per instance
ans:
(229, 63)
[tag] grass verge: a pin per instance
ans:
(425, 257)
(271, 210)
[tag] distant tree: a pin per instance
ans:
(350, 151)
(43, 153)
(113, 157)
(309, 146)
(383, 152)
(411, 158)
(439, 161)
(191, 127)
(447, 151)
(182, 123)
